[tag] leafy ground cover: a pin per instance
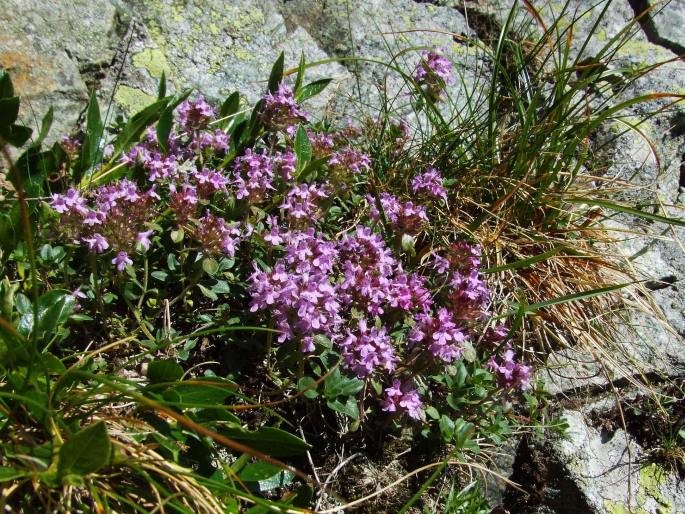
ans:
(200, 300)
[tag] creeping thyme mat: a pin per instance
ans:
(225, 308)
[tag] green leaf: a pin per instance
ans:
(627, 210)
(9, 474)
(300, 75)
(166, 120)
(576, 296)
(446, 427)
(432, 412)
(91, 144)
(202, 393)
(137, 124)
(269, 440)
(276, 74)
(312, 89)
(524, 263)
(307, 382)
(16, 135)
(164, 371)
(161, 90)
(210, 265)
(258, 471)
(230, 105)
(85, 452)
(349, 408)
(338, 385)
(208, 292)
(177, 236)
(303, 148)
(45, 126)
(53, 309)
(6, 88)
(9, 111)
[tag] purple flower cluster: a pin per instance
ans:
(433, 72)
(298, 292)
(116, 219)
(193, 115)
(345, 164)
(215, 236)
(302, 204)
(404, 217)
(366, 349)
(509, 373)
(281, 111)
(402, 398)
(429, 183)
(439, 334)
(253, 177)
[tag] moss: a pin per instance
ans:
(621, 508)
(132, 99)
(153, 60)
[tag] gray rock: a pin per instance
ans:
(48, 47)
(589, 471)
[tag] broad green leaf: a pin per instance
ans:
(91, 144)
(339, 385)
(85, 452)
(137, 124)
(256, 471)
(16, 135)
(164, 371)
(276, 74)
(9, 111)
(269, 440)
(9, 474)
(312, 89)
(166, 120)
(349, 408)
(307, 382)
(6, 88)
(230, 105)
(210, 265)
(303, 148)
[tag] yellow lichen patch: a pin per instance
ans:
(132, 99)
(153, 60)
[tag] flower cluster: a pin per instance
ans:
(439, 334)
(115, 218)
(366, 349)
(390, 318)
(193, 115)
(281, 111)
(402, 398)
(433, 73)
(302, 204)
(429, 183)
(298, 291)
(404, 217)
(253, 177)
(509, 373)
(215, 236)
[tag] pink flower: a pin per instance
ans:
(121, 260)
(143, 238)
(97, 243)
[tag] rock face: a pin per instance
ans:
(591, 471)
(58, 50)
